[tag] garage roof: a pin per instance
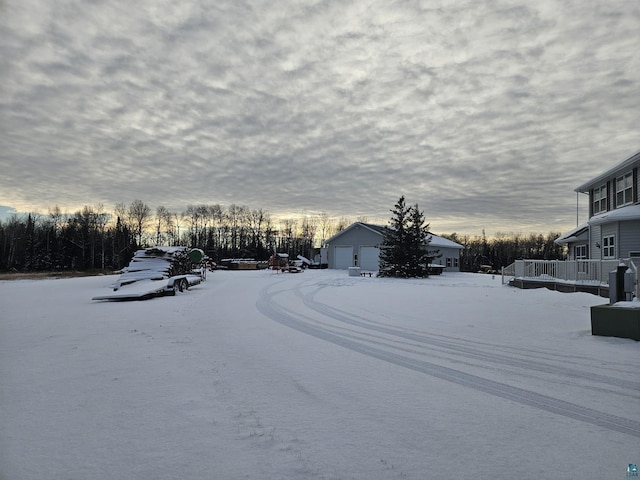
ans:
(436, 241)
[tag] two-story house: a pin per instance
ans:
(613, 228)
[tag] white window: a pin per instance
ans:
(448, 261)
(624, 190)
(600, 199)
(456, 262)
(609, 247)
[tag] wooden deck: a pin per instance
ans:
(561, 286)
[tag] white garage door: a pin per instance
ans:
(344, 257)
(368, 259)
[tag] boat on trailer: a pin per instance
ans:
(158, 271)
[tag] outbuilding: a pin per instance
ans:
(358, 245)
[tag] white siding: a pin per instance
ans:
(369, 259)
(448, 257)
(595, 253)
(629, 240)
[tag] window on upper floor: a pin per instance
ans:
(624, 190)
(600, 199)
(609, 247)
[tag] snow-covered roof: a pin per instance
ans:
(633, 160)
(578, 233)
(379, 229)
(631, 212)
(436, 241)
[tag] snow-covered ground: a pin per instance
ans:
(318, 375)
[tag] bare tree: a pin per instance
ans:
(101, 220)
(342, 223)
(139, 215)
(56, 217)
(324, 224)
(121, 212)
(174, 225)
(192, 214)
(236, 215)
(288, 233)
(309, 227)
(204, 219)
(217, 216)
(257, 219)
(161, 215)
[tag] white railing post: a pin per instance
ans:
(600, 275)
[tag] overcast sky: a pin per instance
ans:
(488, 114)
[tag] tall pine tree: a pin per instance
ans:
(404, 251)
(419, 244)
(393, 254)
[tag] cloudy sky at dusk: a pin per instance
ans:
(488, 114)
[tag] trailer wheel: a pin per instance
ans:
(185, 284)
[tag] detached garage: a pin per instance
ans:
(359, 246)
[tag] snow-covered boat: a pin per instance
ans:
(158, 271)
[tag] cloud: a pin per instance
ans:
(487, 115)
(7, 212)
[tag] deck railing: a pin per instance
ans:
(589, 272)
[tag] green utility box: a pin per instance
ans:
(612, 321)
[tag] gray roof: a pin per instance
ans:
(632, 161)
(436, 241)
(574, 235)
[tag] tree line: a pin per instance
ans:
(95, 239)
(480, 253)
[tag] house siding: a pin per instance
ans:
(448, 258)
(596, 238)
(629, 235)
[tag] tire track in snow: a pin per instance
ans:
(273, 310)
(461, 347)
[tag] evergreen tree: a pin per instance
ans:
(404, 251)
(418, 244)
(393, 254)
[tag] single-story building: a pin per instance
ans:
(358, 245)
